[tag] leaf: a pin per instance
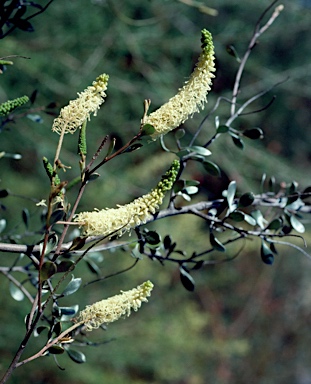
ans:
(64, 266)
(200, 150)
(211, 168)
(76, 356)
(254, 133)
(266, 254)
(191, 190)
(296, 224)
(167, 241)
(246, 199)
(249, 219)
(231, 192)
(56, 350)
(133, 147)
(72, 286)
(179, 134)
(232, 52)
(237, 141)
(35, 118)
(260, 220)
(275, 224)
(16, 292)
(222, 129)
(4, 193)
(2, 225)
(186, 279)
(68, 313)
(216, 244)
(93, 267)
(25, 216)
(48, 269)
(23, 24)
(147, 130)
(237, 216)
(152, 238)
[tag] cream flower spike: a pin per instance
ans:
(77, 111)
(111, 309)
(109, 221)
(191, 97)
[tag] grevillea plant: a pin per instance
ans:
(269, 216)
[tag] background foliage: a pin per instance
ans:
(245, 322)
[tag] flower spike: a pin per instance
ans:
(191, 97)
(121, 219)
(73, 115)
(111, 309)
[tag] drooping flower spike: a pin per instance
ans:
(191, 97)
(121, 219)
(73, 115)
(111, 309)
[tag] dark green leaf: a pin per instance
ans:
(40, 329)
(77, 243)
(275, 224)
(93, 176)
(237, 216)
(246, 199)
(72, 287)
(56, 350)
(57, 328)
(147, 130)
(64, 266)
(232, 52)
(266, 254)
(4, 193)
(57, 216)
(76, 356)
(16, 293)
(133, 147)
(238, 142)
(69, 311)
(48, 269)
(167, 241)
(152, 237)
(93, 267)
(186, 279)
(222, 129)
(254, 133)
(216, 244)
(25, 216)
(211, 168)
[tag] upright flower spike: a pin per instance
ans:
(109, 310)
(191, 97)
(121, 219)
(89, 101)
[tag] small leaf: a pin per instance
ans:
(237, 216)
(216, 244)
(186, 279)
(35, 118)
(249, 219)
(231, 192)
(200, 150)
(68, 312)
(40, 329)
(2, 225)
(222, 129)
(254, 133)
(211, 168)
(275, 224)
(296, 224)
(76, 356)
(16, 292)
(152, 238)
(232, 52)
(167, 241)
(56, 350)
(64, 266)
(147, 130)
(237, 142)
(4, 193)
(93, 267)
(72, 287)
(133, 147)
(48, 269)
(246, 199)
(191, 190)
(260, 220)
(179, 134)
(266, 254)
(93, 176)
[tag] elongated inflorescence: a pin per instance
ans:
(73, 115)
(111, 309)
(10, 105)
(121, 219)
(191, 97)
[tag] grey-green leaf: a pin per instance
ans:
(72, 287)
(16, 292)
(76, 356)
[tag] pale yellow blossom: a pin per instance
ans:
(191, 97)
(111, 309)
(73, 115)
(121, 219)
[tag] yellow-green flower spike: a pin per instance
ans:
(50, 171)
(109, 310)
(10, 105)
(125, 217)
(73, 115)
(191, 97)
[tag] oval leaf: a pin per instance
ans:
(200, 150)
(48, 269)
(222, 129)
(254, 133)
(16, 292)
(186, 279)
(246, 199)
(212, 168)
(72, 287)
(76, 356)
(296, 224)
(216, 244)
(266, 254)
(56, 350)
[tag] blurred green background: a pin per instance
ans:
(246, 322)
